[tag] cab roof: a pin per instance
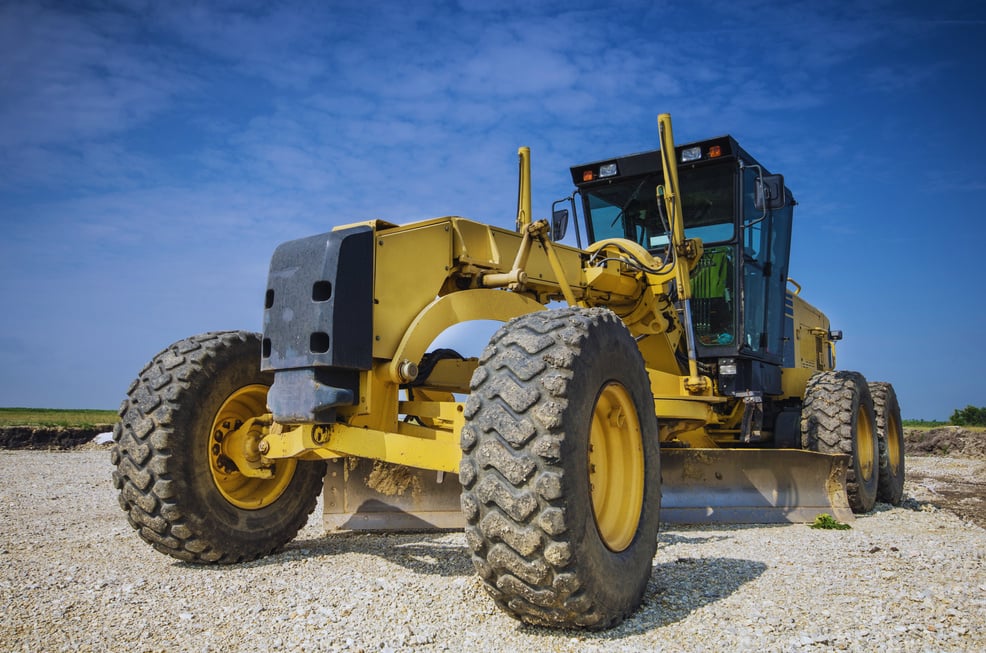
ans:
(699, 152)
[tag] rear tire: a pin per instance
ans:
(890, 435)
(837, 417)
(180, 493)
(560, 469)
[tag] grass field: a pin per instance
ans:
(55, 417)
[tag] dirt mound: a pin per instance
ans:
(48, 437)
(945, 441)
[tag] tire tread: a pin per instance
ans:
(515, 509)
(891, 486)
(144, 454)
(828, 425)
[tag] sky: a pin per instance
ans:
(153, 155)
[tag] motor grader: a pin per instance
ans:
(667, 369)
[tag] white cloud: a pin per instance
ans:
(67, 78)
(277, 42)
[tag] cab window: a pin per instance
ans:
(629, 209)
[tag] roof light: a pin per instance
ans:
(587, 175)
(607, 170)
(715, 151)
(691, 154)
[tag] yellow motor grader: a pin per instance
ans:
(667, 369)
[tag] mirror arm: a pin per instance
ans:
(760, 194)
(575, 219)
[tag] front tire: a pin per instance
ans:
(180, 490)
(837, 417)
(560, 469)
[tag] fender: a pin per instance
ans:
(452, 309)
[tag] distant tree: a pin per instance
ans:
(969, 416)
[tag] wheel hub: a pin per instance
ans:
(235, 460)
(616, 467)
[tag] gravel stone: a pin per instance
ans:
(75, 577)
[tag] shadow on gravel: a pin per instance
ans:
(681, 534)
(420, 553)
(678, 588)
(675, 590)
(669, 539)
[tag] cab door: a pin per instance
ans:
(765, 244)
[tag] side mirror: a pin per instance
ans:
(559, 224)
(770, 193)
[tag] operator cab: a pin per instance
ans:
(742, 215)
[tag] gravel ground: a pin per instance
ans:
(74, 576)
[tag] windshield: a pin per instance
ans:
(629, 209)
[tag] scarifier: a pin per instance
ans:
(684, 378)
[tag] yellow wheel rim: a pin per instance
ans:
(893, 442)
(247, 492)
(616, 467)
(865, 441)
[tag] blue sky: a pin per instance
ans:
(154, 154)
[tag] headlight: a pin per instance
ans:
(691, 154)
(608, 170)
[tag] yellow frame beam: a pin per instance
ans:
(452, 309)
(441, 452)
(413, 445)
